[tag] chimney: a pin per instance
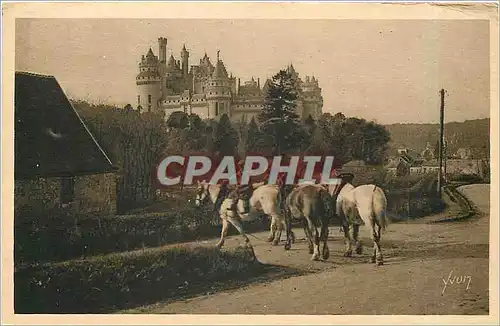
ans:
(238, 89)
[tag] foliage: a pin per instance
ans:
(467, 178)
(178, 120)
(350, 138)
(410, 196)
(50, 236)
(108, 283)
(474, 134)
(134, 141)
(226, 137)
(278, 117)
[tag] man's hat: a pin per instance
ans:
(346, 176)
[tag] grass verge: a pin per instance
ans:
(466, 208)
(57, 238)
(123, 281)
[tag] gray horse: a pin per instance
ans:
(312, 204)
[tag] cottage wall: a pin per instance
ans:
(37, 195)
(93, 194)
(96, 194)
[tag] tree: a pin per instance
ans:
(128, 107)
(255, 140)
(134, 142)
(178, 119)
(375, 139)
(278, 117)
(225, 137)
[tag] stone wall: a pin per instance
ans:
(96, 193)
(93, 194)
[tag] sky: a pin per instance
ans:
(389, 71)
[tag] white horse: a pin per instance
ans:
(264, 200)
(366, 204)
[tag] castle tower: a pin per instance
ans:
(185, 61)
(162, 49)
(148, 83)
(218, 91)
(312, 101)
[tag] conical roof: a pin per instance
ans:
(266, 85)
(219, 70)
(150, 57)
(171, 61)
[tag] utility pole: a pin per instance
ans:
(445, 159)
(441, 143)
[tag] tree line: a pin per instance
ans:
(136, 142)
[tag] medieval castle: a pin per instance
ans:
(207, 90)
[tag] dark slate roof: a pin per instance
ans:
(50, 138)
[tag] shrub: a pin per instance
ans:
(465, 178)
(411, 196)
(119, 281)
(57, 237)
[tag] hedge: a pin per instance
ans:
(56, 237)
(120, 281)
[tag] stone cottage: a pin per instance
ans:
(59, 166)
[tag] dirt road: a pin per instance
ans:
(419, 258)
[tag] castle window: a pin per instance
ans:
(138, 100)
(149, 99)
(149, 108)
(216, 108)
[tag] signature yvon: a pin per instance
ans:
(452, 280)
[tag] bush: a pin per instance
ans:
(57, 237)
(119, 281)
(411, 196)
(465, 178)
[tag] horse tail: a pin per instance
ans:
(380, 216)
(328, 203)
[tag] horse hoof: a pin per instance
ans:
(348, 254)
(288, 246)
(372, 260)
(311, 251)
(275, 242)
(359, 250)
(315, 258)
(326, 255)
(380, 263)
(270, 239)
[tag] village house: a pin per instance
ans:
(59, 166)
(464, 153)
(404, 164)
(428, 153)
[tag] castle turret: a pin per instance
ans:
(148, 83)
(185, 61)
(312, 101)
(218, 92)
(162, 49)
